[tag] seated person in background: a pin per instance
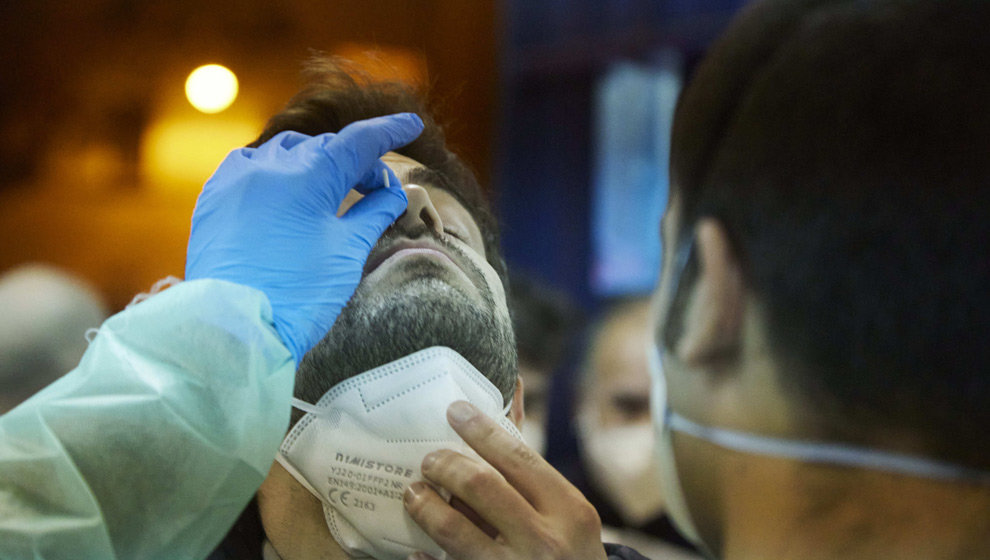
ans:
(615, 435)
(545, 322)
(46, 313)
(823, 309)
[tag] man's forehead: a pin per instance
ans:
(400, 165)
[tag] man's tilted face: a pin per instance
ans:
(420, 288)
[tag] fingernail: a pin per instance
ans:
(428, 461)
(460, 412)
(414, 491)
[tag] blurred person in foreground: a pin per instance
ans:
(46, 313)
(615, 435)
(823, 372)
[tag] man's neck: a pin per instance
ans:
(800, 511)
(293, 520)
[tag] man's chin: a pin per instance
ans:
(387, 320)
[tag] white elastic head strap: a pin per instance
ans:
(827, 453)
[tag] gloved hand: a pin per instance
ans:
(267, 219)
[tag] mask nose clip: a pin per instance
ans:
(419, 211)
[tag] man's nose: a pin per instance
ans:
(420, 211)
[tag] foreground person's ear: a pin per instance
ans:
(713, 321)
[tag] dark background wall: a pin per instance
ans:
(551, 55)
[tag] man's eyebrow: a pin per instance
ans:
(424, 176)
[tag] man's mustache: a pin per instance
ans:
(396, 234)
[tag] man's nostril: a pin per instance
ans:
(424, 215)
(420, 209)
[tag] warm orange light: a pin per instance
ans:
(386, 63)
(181, 152)
(211, 88)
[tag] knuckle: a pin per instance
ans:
(588, 518)
(584, 515)
(344, 158)
(549, 545)
(446, 527)
(477, 479)
(524, 454)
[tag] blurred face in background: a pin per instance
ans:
(614, 414)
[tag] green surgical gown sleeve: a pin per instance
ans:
(154, 444)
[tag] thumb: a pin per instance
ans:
(372, 215)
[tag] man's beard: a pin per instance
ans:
(380, 326)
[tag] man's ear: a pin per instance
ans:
(516, 411)
(712, 330)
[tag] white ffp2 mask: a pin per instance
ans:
(362, 444)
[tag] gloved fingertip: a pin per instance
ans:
(393, 200)
(393, 183)
(401, 195)
(412, 125)
(416, 119)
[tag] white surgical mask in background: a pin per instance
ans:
(624, 466)
(362, 444)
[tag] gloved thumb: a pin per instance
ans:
(372, 215)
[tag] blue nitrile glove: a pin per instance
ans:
(267, 219)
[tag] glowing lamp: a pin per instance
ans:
(211, 88)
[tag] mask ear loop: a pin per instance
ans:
(508, 406)
(307, 407)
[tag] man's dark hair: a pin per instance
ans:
(845, 148)
(338, 94)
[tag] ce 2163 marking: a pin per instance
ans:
(347, 499)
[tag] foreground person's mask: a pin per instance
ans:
(666, 422)
(361, 445)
